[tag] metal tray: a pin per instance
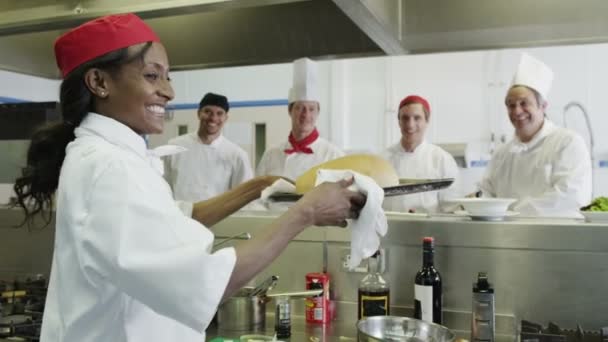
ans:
(408, 186)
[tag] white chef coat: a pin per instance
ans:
(205, 170)
(550, 175)
(278, 163)
(128, 265)
(427, 161)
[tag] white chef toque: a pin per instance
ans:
(534, 74)
(305, 81)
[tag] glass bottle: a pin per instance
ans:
(427, 287)
(282, 317)
(374, 291)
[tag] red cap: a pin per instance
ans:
(428, 239)
(416, 99)
(98, 37)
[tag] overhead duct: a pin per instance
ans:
(197, 34)
(213, 33)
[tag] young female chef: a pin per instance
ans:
(128, 264)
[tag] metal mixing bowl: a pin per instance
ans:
(403, 329)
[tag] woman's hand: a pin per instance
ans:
(330, 204)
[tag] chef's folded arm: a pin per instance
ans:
(570, 184)
(569, 177)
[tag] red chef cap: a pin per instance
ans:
(98, 37)
(416, 99)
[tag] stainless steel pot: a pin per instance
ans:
(242, 312)
(246, 312)
(404, 329)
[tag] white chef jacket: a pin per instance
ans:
(550, 175)
(128, 265)
(278, 163)
(205, 170)
(427, 161)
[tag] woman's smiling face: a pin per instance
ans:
(138, 93)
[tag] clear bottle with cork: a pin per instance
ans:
(374, 291)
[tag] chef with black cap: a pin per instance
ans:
(211, 164)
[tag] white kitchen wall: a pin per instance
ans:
(29, 88)
(359, 97)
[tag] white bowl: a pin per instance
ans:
(485, 206)
(595, 216)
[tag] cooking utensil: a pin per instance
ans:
(397, 190)
(265, 286)
(296, 294)
(243, 235)
(242, 312)
(392, 328)
(418, 186)
(324, 255)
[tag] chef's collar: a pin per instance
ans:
(113, 131)
(546, 129)
(215, 143)
(402, 149)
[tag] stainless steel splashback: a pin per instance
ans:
(12, 159)
(542, 270)
(17, 122)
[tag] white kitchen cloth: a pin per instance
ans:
(371, 224)
(154, 156)
(279, 185)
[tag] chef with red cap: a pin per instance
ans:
(304, 147)
(413, 157)
(129, 263)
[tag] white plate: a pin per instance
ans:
(486, 217)
(595, 216)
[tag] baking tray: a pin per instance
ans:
(407, 186)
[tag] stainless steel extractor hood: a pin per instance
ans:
(211, 33)
(197, 34)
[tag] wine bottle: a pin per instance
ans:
(374, 292)
(427, 287)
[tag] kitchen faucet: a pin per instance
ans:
(588, 123)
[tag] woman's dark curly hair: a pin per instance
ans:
(40, 177)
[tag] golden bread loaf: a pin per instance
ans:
(370, 165)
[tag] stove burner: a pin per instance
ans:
(534, 332)
(21, 308)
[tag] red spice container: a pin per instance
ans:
(317, 307)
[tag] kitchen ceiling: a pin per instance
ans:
(213, 33)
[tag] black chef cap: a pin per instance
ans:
(211, 99)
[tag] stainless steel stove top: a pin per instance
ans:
(535, 332)
(21, 308)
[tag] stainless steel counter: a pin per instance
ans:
(338, 330)
(300, 330)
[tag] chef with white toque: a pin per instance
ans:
(304, 147)
(545, 167)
